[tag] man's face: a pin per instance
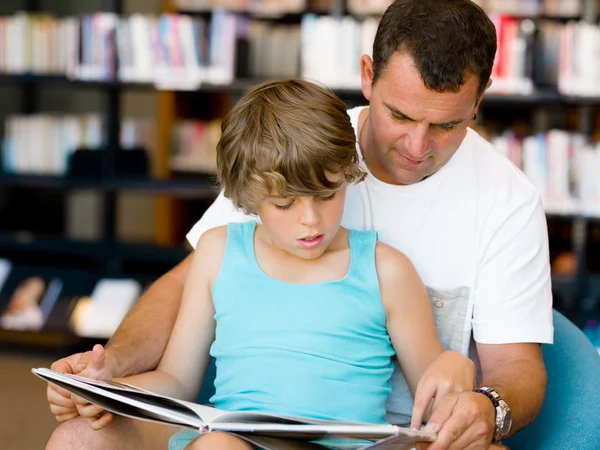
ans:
(412, 131)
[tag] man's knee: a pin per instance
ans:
(70, 435)
(121, 433)
(218, 441)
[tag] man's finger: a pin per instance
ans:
(65, 365)
(450, 432)
(423, 398)
(442, 414)
(82, 363)
(97, 361)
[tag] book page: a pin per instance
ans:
(118, 399)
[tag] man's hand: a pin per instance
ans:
(451, 372)
(96, 369)
(59, 399)
(462, 421)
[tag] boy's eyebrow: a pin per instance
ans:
(401, 115)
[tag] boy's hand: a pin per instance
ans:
(59, 399)
(450, 372)
(96, 369)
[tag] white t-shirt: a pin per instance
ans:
(476, 233)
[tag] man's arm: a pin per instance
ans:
(524, 393)
(138, 344)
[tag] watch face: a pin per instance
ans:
(507, 422)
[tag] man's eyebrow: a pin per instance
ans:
(401, 115)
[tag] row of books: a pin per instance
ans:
(562, 165)
(557, 8)
(259, 7)
(44, 143)
(34, 300)
(176, 51)
(560, 8)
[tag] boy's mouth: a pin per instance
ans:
(311, 241)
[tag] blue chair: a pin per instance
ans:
(570, 416)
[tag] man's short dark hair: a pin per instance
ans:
(448, 40)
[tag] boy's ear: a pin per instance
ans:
(366, 75)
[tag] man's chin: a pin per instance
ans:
(407, 177)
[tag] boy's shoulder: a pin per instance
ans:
(391, 262)
(213, 238)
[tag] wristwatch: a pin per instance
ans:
(503, 414)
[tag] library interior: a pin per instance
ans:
(110, 115)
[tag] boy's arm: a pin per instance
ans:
(408, 312)
(186, 358)
(138, 344)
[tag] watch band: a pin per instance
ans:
(488, 394)
(503, 420)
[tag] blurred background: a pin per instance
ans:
(110, 112)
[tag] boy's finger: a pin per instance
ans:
(61, 410)
(77, 400)
(89, 410)
(65, 417)
(101, 422)
(60, 391)
(55, 398)
(423, 397)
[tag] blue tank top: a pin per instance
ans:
(318, 350)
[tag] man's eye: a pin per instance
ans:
(446, 127)
(328, 198)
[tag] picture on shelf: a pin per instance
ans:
(29, 305)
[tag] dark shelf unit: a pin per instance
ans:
(201, 186)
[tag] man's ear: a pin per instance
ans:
(489, 83)
(366, 75)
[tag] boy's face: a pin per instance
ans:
(303, 226)
(412, 131)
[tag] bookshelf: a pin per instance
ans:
(173, 191)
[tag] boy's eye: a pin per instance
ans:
(327, 198)
(284, 207)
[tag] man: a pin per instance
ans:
(470, 222)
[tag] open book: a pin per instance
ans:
(267, 431)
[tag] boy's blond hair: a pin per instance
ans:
(284, 137)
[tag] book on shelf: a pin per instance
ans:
(267, 431)
(30, 304)
(99, 314)
(5, 268)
